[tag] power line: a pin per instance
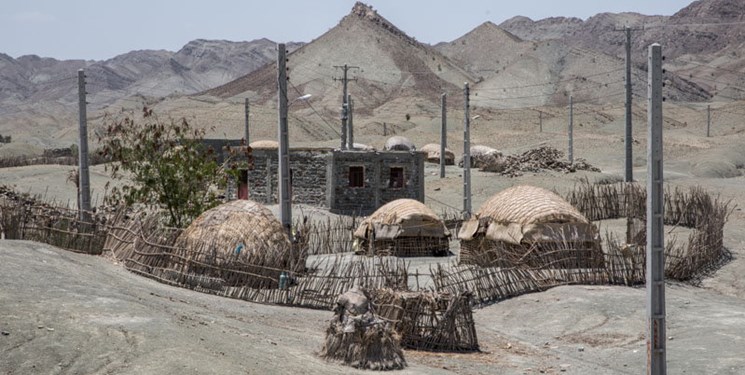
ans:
(314, 110)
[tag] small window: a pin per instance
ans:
(396, 179)
(356, 176)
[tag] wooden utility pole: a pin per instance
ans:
(350, 123)
(466, 154)
(571, 130)
(285, 201)
(656, 361)
(628, 139)
(443, 133)
(344, 106)
(84, 193)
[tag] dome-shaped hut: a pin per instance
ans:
(403, 227)
(433, 154)
(240, 242)
(264, 144)
(527, 225)
(399, 143)
(482, 155)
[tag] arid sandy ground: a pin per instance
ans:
(74, 314)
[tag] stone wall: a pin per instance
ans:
(320, 177)
(376, 190)
(307, 171)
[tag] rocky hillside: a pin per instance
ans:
(199, 65)
(700, 42)
(516, 73)
(391, 65)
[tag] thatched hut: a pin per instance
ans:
(529, 226)
(403, 227)
(399, 143)
(240, 242)
(482, 155)
(264, 144)
(433, 154)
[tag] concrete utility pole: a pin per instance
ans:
(285, 201)
(344, 106)
(540, 122)
(571, 131)
(467, 154)
(84, 193)
(656, 362)
(443, 133)
(628, 140)
(708, 120)
(350, 123)
(245, 135)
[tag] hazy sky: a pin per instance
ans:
(101, 29)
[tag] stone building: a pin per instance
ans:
(345, 181)
(358, 182)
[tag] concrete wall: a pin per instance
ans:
(341, 198)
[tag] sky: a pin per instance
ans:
(102, 29)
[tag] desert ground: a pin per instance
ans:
(66, 313)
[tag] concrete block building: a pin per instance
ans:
(352, 182)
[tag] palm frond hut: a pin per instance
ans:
(399, 143)
(482, 155)
(433, 154)
(403, 227)
(240, 242)
(529, 226)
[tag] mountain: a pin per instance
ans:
(42, 93)
(700, 41)
(199, 65)
(390, 66)
(516, 73)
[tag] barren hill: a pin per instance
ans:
(706, 32)
(38, 96)
(517, 73)
(391, 64)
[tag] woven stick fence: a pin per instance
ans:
(26, 218)
(510, 272)
(429, 320)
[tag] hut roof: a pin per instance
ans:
(399, 143)
(362, 146)
(529, 205)
(267, 144)
(237, 222)
(479, 150)
(402, 218)
(433, 151)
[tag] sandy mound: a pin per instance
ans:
(727, 163)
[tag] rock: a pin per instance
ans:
(4, 333)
